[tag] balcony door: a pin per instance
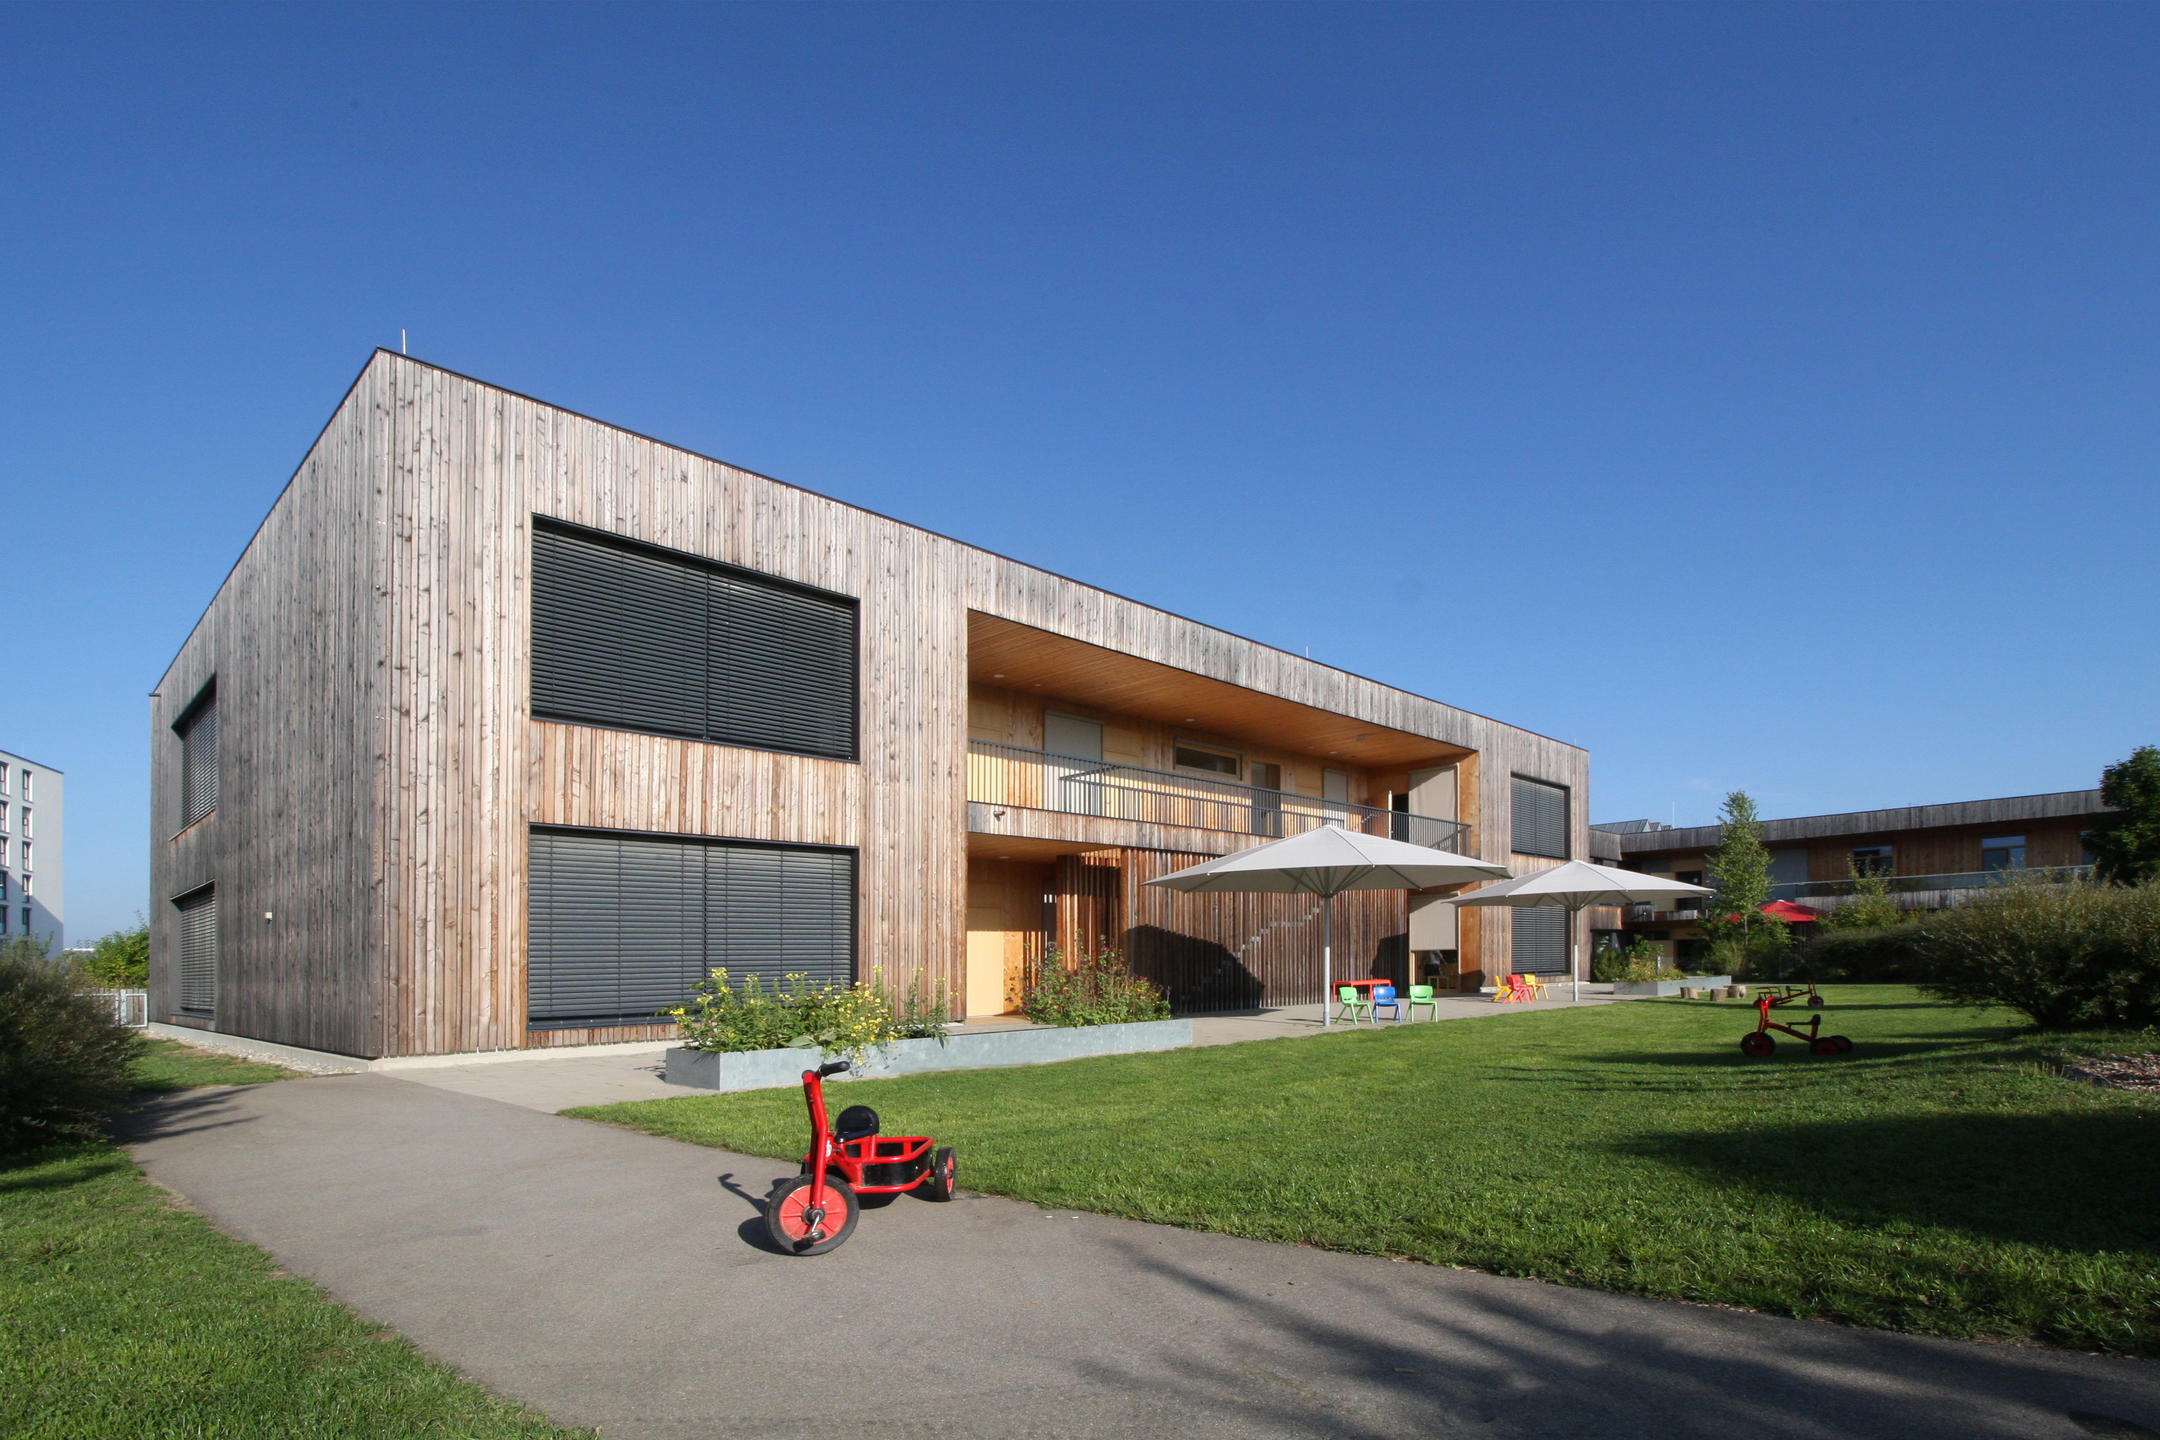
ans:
(1072, 779)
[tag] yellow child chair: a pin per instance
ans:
(1534, 985)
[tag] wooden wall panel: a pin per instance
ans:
(289, 639)
(1239, 952)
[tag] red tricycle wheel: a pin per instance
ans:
(1757, 1044)
(796, 1230)
(1814, 1002)
(1844, 1046)
(940, 1184)
(1823, 1045)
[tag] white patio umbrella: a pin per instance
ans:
(1579, 885)
(1325, 862)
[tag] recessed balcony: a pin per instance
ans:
(1006, 775)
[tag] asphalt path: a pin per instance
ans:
(617, 1280)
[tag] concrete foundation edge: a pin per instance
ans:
(317, 1062)
(1666, 987)
(771, 1069)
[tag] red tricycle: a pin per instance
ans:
(1795, 994)
(1759, 1042)
(849, 1166)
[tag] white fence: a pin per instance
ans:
(130, 1007)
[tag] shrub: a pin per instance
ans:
(849, 1020)
(120, 960)
(1639, 961)
(1897, 955)
(1097, 990)
(64, 1064)
(732, 1018)
(1872, 906)
(2068, 956)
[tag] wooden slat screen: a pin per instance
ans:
(198, 952)
(623, 927)
(1540, 819)
(673, 645)
(1540, 945)
(198, 760)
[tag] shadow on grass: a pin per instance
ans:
(2074, 1182)
(1725, 1051)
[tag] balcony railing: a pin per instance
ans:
(1808, 891)
(1036, 780)
(1911, 892)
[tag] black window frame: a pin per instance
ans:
(619, 1018)
(202, 896)
(1526, 928)
(849, 752)
(202, 711)
(1520, 843)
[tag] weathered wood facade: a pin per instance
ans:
(370, 653)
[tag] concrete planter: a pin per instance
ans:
(771, 1069)
(1667, 987)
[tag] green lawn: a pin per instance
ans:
(127, 1315)
(1940, 1179)
(170, 1065)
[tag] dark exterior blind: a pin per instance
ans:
(198, 760)
(198, 952)
(1540, 819)
(1540, 944)
(622, 927)
(674, 645)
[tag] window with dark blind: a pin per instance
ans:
(654, 640)
(623, 927)
(1540, 941)
(1540, 818)
(198, 937)
(198, 731)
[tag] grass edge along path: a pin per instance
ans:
(1940, 1180)
(129, 1314)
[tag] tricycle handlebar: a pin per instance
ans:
(834, 1067)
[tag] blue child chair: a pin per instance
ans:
(1384, 995)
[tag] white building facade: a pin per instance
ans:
(32, 831)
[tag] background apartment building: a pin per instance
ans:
(33, 831)
(1931, 856)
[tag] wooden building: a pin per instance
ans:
(509, 724)
(1931, 856)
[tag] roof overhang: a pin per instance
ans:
(1020, 657)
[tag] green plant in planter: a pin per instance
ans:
(849, 1020)
(1096, 990)
(1640, 962)
(731, 1019)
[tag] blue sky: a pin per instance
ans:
(1759, 397)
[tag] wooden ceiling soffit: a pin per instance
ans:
(1019, 657)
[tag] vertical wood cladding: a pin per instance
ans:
(293, 642)
(380, 767)
(1223, 952)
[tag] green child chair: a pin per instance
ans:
(1354, 1005)
(1423, 995)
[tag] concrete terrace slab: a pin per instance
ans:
(615, 1279)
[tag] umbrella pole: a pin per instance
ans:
(1574, 956)
(1327, 958)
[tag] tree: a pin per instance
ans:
(1740, 866)
(1739, 871)
(120, 960)
(1872, 906)
(2126, 845)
